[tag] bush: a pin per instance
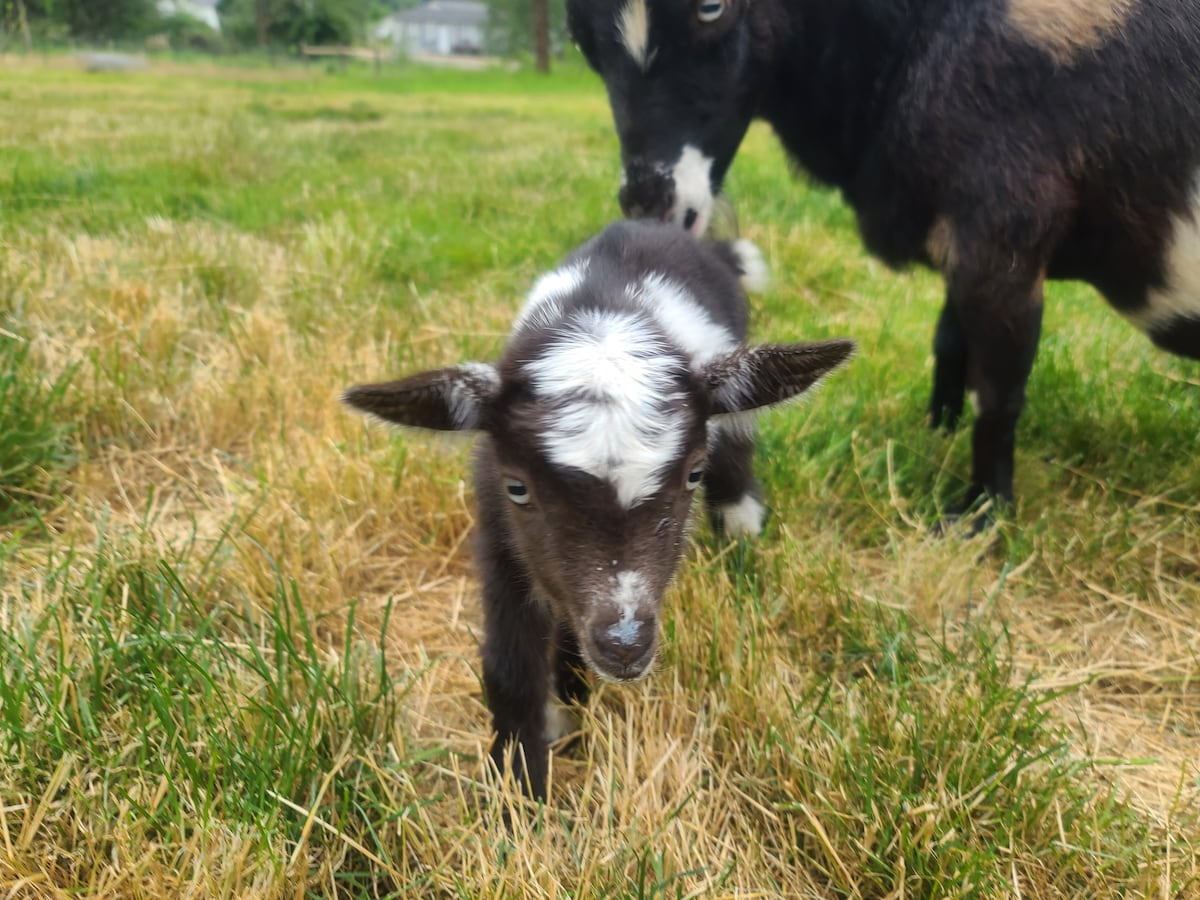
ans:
(187, 33)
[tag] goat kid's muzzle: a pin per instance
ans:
(620, 648)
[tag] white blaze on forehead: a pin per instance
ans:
(681, 318)
(611, 387)
(630, 593)
(633, 24)
(1180, 299)
(692, 174)
(548, 291)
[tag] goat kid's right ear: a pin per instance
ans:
(753, 377)
(453, 399)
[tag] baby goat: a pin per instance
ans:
(619, 394)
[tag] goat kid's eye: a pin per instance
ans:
(695, 477)
(517, 492)
(711, 10)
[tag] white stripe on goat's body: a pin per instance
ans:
(692, 174)
(1180, 299)
(633, 25)
(542, 305)
(610, 383)
(629, 594)
(681, 318)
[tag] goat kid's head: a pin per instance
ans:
(680, 79)
(591, 459)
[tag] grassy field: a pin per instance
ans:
(239, 629)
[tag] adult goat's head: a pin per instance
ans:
(680, 77)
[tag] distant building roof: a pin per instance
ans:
(445, 12)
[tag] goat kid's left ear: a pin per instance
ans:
(453, 399)
(753, 377)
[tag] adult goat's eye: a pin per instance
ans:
(695, 477)
(517, 492)
(711, 10)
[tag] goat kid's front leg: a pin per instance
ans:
(516, 666)
(999, 305)
(571, 686)
(731, 492)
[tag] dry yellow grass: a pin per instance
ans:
(209, 360)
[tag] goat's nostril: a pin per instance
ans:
(690, 219)
(625, 644)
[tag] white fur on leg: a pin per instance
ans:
(559, 722)
(756, 275)
(744, 518)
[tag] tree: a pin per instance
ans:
(86, 20)
(106, 20)
(528, 26)
(541, 34)
(24, 23)
(290, 22)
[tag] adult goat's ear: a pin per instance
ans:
(453, 399)
(753, 377)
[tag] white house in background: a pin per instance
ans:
(439, 26)
(204, 10)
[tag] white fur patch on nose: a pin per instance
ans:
(692, 174)
(630, 593)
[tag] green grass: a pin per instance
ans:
(239, 630)
(36, 426)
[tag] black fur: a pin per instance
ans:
(1043, 159)
(573, 575)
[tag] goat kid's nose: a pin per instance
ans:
(623, 646)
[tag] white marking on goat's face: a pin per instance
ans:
(1180, 299)
(681, 318)
(616, 404)
(630, 593)
(744, 518)
(692, 174)
(618, 634)
(633, 25)
(542, 304)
